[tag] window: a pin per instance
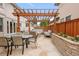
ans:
(10, 27)
(1, 24)
(57, 19)
(68, 18)
(7, 27)
(14, 27)
(1, 4)
(27, 24)
(62, 20)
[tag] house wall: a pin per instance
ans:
(23, 24)
(8, 10)
(66, 9)
(6, 13)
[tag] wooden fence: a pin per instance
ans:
(45, 28)
(69, 27)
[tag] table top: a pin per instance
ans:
(7, 35)
(27, 36)
(23, 35)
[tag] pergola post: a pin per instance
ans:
(18, 23)
(28, 18)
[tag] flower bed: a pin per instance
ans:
(66, 45)
(76, 38)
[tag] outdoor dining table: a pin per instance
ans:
(9, 41)
(26, 38)
(8, 37)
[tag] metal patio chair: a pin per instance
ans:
(17, 41)
(4, 42)
(34, 38)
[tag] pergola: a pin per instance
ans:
(30, 13)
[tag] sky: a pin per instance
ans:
(37, 5)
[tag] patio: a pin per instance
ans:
(45, 48)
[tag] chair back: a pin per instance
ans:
(18, 33)
(3, 41)
(35, 35)
(17, 39)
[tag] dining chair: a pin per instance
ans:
(34, 38)
(4, 42)
(18, 33)
(17, 41)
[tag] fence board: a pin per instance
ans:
(70, 27)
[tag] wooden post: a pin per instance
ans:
(18, 23)
(28, 18)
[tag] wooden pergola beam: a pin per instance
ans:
(17, 10)
(35, 14)
(38, 20)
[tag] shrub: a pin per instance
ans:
(62, 34)
(73, 39)
(76, 39)
(65, 35)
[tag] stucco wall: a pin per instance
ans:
(6, 13)
(66, 9)
(8, 10)
(23, 23)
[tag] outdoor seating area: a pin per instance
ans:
(8, 41)
(40, 49)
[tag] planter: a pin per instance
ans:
(65, 46)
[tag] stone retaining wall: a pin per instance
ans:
(65, 46)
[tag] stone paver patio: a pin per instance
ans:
(45, 48)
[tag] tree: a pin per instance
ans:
(44, 23)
